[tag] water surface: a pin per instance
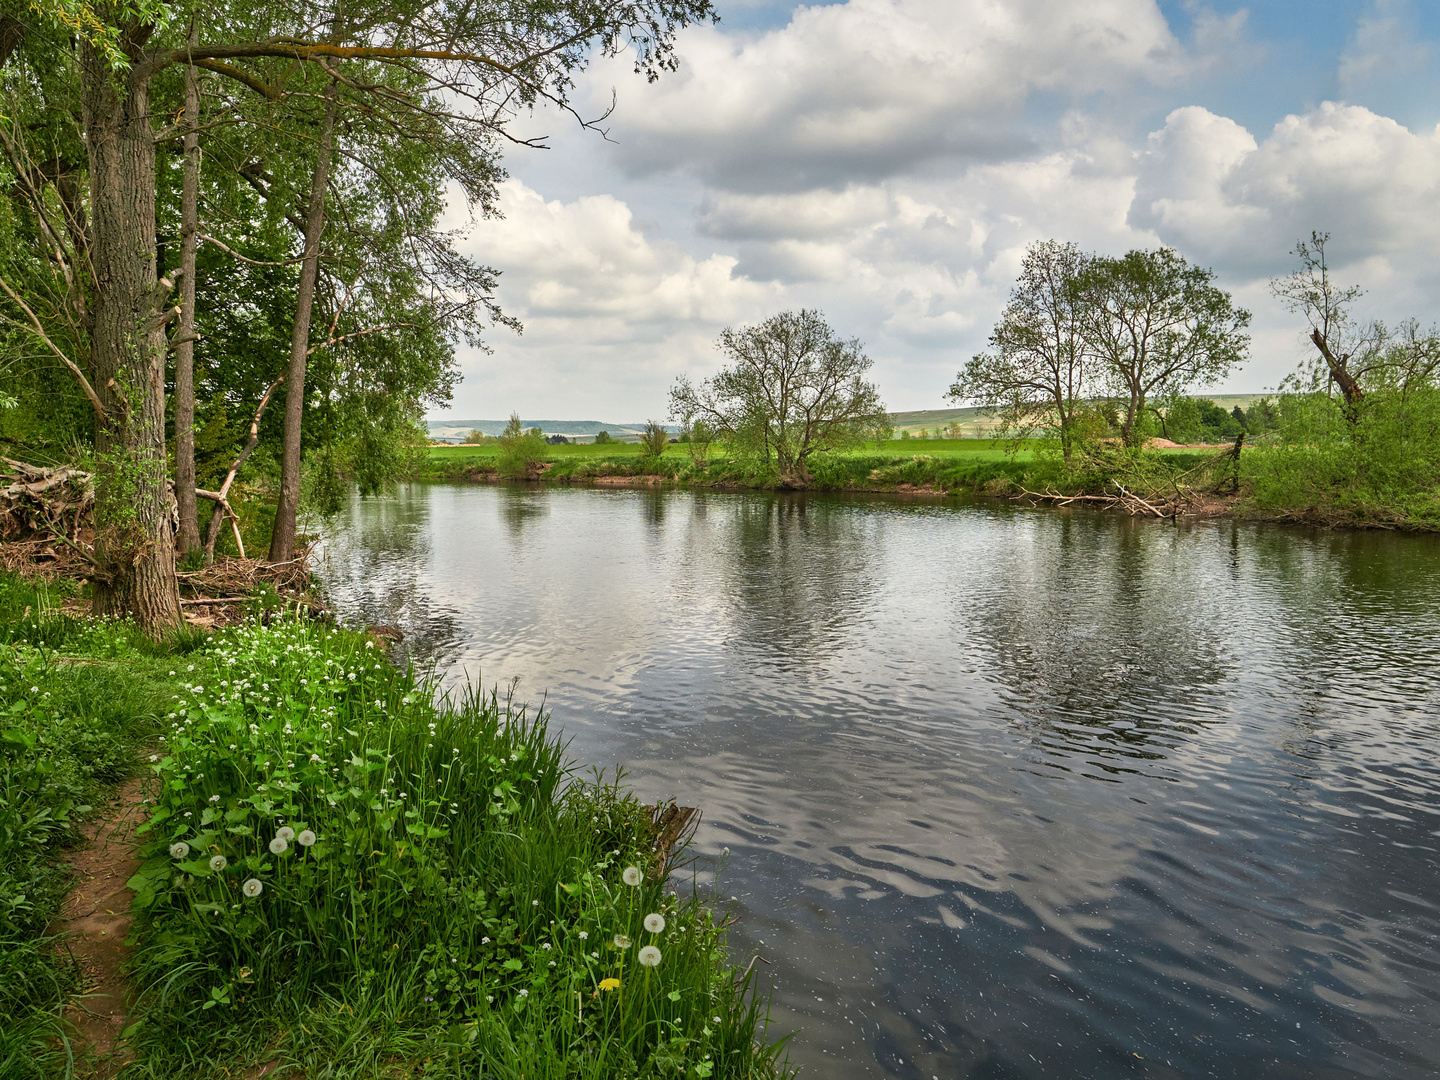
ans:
(1008, 793)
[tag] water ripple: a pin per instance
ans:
(1007, 793)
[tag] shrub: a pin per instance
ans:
(1380, 465)
(653, 441)
(521, 451)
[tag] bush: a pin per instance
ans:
(1381, 465)
(653, 441)
(521, 452)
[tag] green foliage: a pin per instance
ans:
(430, 882)
(1375, 463)
(792, 390)
(458, 904)
(653, 440)
(521, 452)
(603, 438)
(1198, 420)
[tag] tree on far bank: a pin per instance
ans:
(792, 389)
(1157, 325)
(1037, 373)
(1352, 357)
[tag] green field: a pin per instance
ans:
(970, 449)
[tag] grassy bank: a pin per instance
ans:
(951, 465)
(948, 464)
(347, 879)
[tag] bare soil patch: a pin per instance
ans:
(94, 923)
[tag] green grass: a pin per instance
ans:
(436, 891)
(77, 699)
(952, 465)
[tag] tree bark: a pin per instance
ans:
(1339, 371)
(188, 537)
(282, 540)
(134, 531)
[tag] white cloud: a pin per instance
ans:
(874, 88)
(610, 317)
(1208, 187)
(888, 161)
(1384, 43)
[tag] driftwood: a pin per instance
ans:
(671, 828)
(1182, 500)
(45, 519)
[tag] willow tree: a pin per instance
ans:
(472, 67)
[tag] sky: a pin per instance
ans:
(889, 161)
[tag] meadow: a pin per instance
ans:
(343, 875)
(975, 466)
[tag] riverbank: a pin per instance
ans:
(337, 874)
(1168, 482)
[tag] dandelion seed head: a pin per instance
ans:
(621, 941)
(286, 833)
(218, 863)
(252, 888)
(279, 845)
(305, 838)
(649, 956)
(655, 923)
(631, 876)
(179, 849)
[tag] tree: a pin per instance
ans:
(1038, 370)
(465, 70)
(792, 389)
(1157, 325)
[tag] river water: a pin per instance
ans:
(1007, 793)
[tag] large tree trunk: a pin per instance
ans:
(188, 537)
(1340, 372)
(282, 540)
(134, 531)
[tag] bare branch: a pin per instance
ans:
(39, 331)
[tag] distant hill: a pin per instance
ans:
(456, 430)
(972, 422)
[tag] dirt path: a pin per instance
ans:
(95, 921)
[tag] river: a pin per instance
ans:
(1006, 792)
